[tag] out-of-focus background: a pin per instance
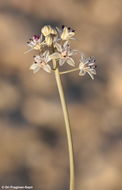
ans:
(33, 146)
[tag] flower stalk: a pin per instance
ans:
(69, 71)
(67, 125)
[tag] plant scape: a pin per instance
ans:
(54, 50)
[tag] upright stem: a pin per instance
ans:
(67, 124)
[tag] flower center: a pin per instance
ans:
(64, 54)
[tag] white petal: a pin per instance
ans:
(32, 43)
(55, 39)
(70, 61)
(82, 72)
(55, 56)
(62, 61)
(47, 58)
(91, 64)
(91, 75)
(82, 59)
(37, 47)
(44, 54)
(72, 52)
(59, 31)
(28, 51)
(40, 39)
(47, 68)
(35, 67)
(36, 70)
(73, 38)
(65, 44)
(47, 53)
(64, 33)
(93, 71)
(71, 34)
(58, 46)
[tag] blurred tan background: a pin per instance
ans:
(33, 146)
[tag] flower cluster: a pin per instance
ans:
(54, 44)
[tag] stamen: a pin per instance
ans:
(91, 60)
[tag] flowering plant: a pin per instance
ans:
(54, 50)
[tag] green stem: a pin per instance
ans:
(67, 124)
(69, 71)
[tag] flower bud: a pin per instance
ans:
(64, 34)
(48, 40)
(46, 30)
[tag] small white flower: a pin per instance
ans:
(87, 65)
(64, 54)
(35, 42)
(40, 61)
(66, 33)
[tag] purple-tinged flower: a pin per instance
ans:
(35, 42)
